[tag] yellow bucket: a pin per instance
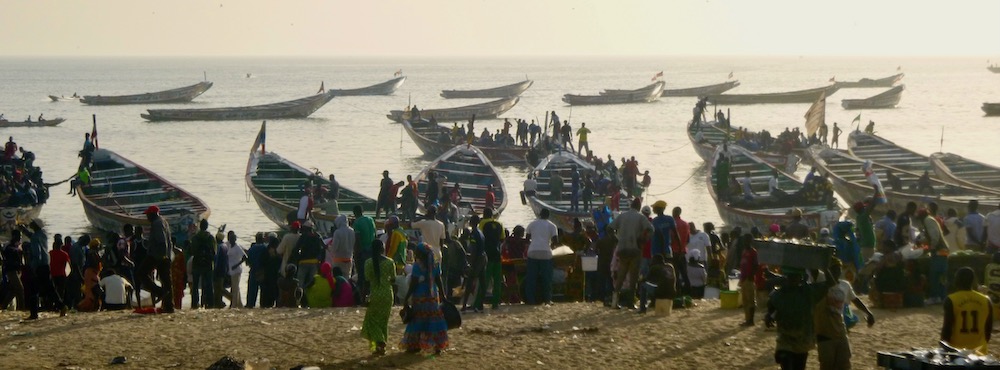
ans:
(729, 299)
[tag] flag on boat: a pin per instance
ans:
(873, 180)
(816, 115)
(322, 88)
(259, 142)
(857, 119)
(657, 75)
(93, 134)
(399, 72)
(730, 74)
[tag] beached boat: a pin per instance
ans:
(800, 96)
(878, 149)
(45, 123)
(276, 184)
(179, 95)
(488, 110)
(468, 167)
(698, 91)
(435, 140)
(384, 88)
(849, 181)
(886, 99)
(868, 82)
(298, 108)
(514, 89)
(991, 109)
(64, 98)
(960, 170)
(706, 137)
(645, 94)
(558, 205)
(762, 209)
(120, 191)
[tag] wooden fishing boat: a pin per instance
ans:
(298, 108)
(698, 91)
(277, 184)
(645, 94)
(993, 68)
(868, 82)
(558, 204)
(800, 96)
(179, 95)
(10, 217)
(845, 172)
(435, 140)
(45, 123)
(488, 110)
(762, 209)
(468, 167)
(384, 88)
(991, 109)
(515, 89)
(882, 151)
(706, 137)
(886, 99)
(960, 170)
(64, 98)
(120, 191)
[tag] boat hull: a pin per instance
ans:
(515, 89)
(488, 110)
(502, 155)
(299, 108)
(991, 109)
(868, 82)
(646, 94)
(887, 99)
(801, 96)
(180, 95)
(384, 88)
(45, 123)
(10, 217)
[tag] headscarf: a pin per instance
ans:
(326, 271)
(428, 255)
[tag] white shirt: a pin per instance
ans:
(303, 204)
(699, 242)
(235, 259)
(993, 227)
(432, 232)
(828, 218)
(530, 185)
(541, 231)
(115, 289)
(772, 184)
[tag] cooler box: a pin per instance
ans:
(729, 299)
(780, 253)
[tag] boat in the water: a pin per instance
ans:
(799, 96)
(558, 204)
(991, 109)
(994, 68)
(435, 140)
(45, 123)
(870, 82)
(120, 191)
(761, 209)
(515, 89)
(697, 91)
(64, 98)
(960, 170)
(22, 206)
(384, 88)
(277, 184)
(706, 137)
(887, 99)
(488, 110)
(466, 166)
(849, 180)
(178, 95)
(298, 108)
(645, 94)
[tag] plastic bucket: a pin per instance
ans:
(729, 299)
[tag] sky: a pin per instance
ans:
(487, 28)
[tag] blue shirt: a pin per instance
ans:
(974, 223)
(38, 251)
(255, 254)
(888, 227)
(663, 227)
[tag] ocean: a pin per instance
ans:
(352, 138)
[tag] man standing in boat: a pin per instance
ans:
(835, 143)
(158, 257)
(582, 133)
(386, 200)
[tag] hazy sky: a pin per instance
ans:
(494, 27)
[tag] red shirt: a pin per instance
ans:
(748, 264)
(679, 246)
(58, 259)
(490, 199)
(647, 247)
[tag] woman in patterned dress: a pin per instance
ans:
(380, 272)
(427, 330)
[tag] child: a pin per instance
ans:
(791, 307)
(289, 293)
(117, 290)
(659, 283)
(697, 275)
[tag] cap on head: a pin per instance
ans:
(308, 224)
(295, 225)
(152, 210)
(660, 205)
(824, 231)
(646, 210)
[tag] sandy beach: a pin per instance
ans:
(562, 336)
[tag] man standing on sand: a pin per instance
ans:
(364, 235)
(37, 257)
(832, 343)
(158, 257)
(341, 252)
(203, 250)
(493, 235)
(386, 197)
(633, 228)
(432, 232)
(791, 307)
(544, 236)
(678, 244)
(287, 245)
(968, 315)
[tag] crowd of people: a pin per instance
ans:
(20, 180)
